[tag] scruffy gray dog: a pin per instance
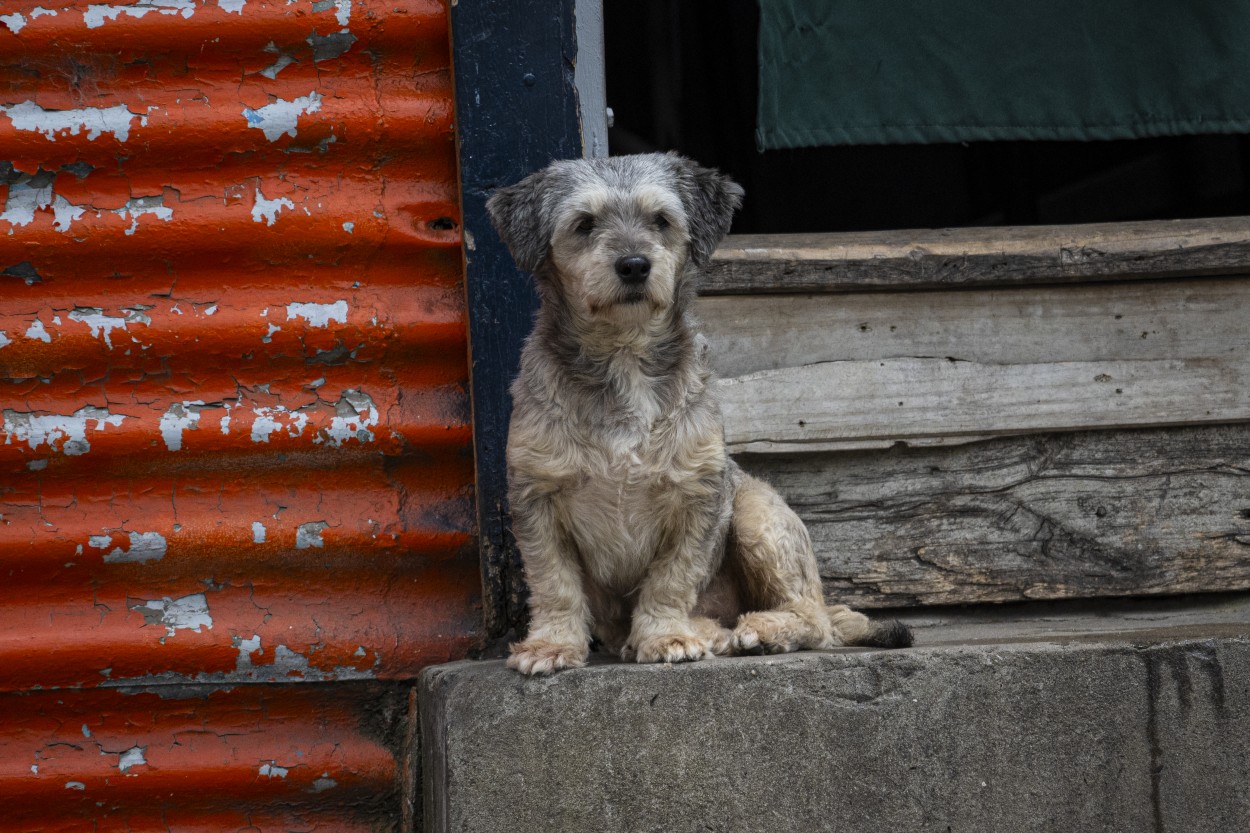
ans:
(635, 526)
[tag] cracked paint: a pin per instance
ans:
(37, 332)
(96, 15)
(281, 118)
(185, 613)
(102, 325)
(166, 558)
(68, 430)
(267, 422)
(318, 315)
(144, 547)
(95, 120)
(272, 770)
(25, 197)
(181, 416)
(132, 757)
(355, 415)
(309, 535)
(267, 210)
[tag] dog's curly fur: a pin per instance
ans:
(635, 526)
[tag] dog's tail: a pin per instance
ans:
(855, 628)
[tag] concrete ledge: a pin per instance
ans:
(1140, 723)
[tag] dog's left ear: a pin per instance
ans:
(710, 199)
(521, 216)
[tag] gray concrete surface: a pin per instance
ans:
(1135, 718)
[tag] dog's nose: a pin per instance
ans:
(633, 269)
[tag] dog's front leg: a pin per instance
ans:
(559, 633)
(662, 630)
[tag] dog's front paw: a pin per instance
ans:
(671, 648)
(540, 656)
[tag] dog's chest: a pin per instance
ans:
(617, 513)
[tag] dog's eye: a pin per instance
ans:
(661, 222)
(586, 225)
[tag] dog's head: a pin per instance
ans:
(615, 236)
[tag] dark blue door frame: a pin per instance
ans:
(516, 109)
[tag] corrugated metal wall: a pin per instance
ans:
(236, 482)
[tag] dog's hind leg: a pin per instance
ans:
(773, 555)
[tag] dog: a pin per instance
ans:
(635, 527)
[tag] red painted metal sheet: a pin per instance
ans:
(300, 757)
(236, 438)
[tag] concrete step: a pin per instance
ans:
(1132, 716)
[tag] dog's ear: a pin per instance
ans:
(710, 198)
(521, 216)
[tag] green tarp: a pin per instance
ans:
(837, 72)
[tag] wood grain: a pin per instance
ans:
(865, 404)
(967, 257)
(1148, 320)
(1057, 516)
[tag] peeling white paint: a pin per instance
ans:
(131, 757)
(144, 547)
(284, 60)
(37, 465)
(309, 535)
(272, 770)
(185, 613)
(95, 120)
(267, 210)
(95, 15)
(5, 341)
(24, 200)
(103, 325)
(258, 532)
(36, 331)
(350, 228)
(138, 206)
(75, 785)
(318, 315)
(16, 22)
(210, 310)
(86, 732)
(53, 428)
(266, 423)
(65, 213)
(355, 415)
(40, 11)
(343, 11)
(268, 337)
(232, 6)
(181, 416)
(281, 118)
(100, 542)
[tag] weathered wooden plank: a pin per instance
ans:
(864, 404)
(1055, 516)
(964, 257)
(1143, 320)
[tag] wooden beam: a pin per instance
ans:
(809, 373)
(968, 257)
(926, 401)
(1056, 516)
(1188, 319)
